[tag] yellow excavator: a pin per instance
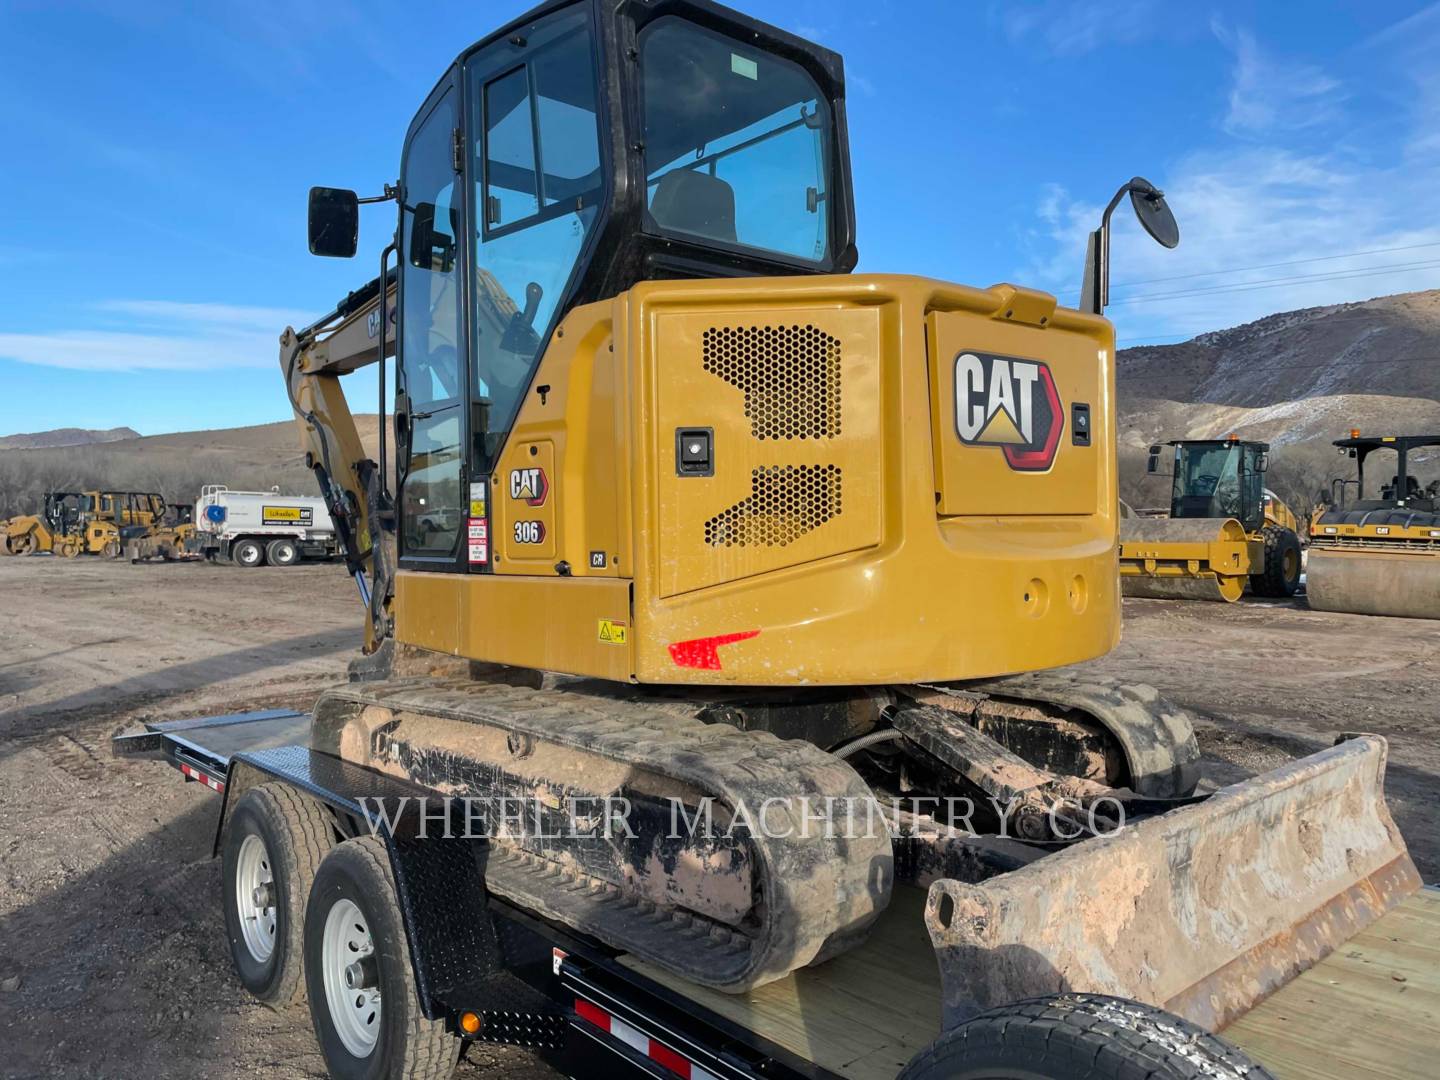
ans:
(690, 518)
(1378, 553)
(1225, 530)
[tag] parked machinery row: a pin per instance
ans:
(107, 523)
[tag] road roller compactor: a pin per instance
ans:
(74, 523)
(744, 574)
(1379, 554)
(1225, 530)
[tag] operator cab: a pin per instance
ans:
(1217, 478)
(1401, 477)
(584, 148)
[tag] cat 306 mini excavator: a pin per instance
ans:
(1379, 554)
(1225, 529)
(689, 514)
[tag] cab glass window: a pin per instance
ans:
(428, 409)
(737, 143)
(538, 190)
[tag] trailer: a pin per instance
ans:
(253, 528)
(477, 967)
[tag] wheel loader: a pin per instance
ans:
(1378, 553)
(744, 575)
(86, 523)
(1225, 530)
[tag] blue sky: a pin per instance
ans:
(157, 157)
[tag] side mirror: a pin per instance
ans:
(1153, 464)
(1156, 219)
(1262, 463)
(1154, 213)
(334, 222)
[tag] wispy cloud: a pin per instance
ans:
(1279, 209)
(1273, 94)
(1065, 28)
(141, 335)
(1251, 207)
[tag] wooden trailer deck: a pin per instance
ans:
(1369, 1010)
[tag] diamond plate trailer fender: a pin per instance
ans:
(1202, 910)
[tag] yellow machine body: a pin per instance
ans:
(1195, 559)
(1197, 553)
(1380, 553)
(848, 534)
(1374, 568)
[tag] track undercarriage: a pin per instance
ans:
(737, 838)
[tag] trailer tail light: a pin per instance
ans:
(638, 1041)
(192, 773)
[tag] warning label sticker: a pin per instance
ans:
(612, 632)
(478, 541)
(477, 498)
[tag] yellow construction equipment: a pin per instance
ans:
(76, 523)
(1224, 531)
(688, 515)
(1379, 555)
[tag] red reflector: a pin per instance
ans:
(703, 653)
(593, 1013)
(663, 1055)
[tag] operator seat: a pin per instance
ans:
(694, 202)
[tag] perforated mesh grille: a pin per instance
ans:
(785, 503)
(790, 376)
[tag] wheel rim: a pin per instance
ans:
(355, 1011)
(1291, 565)
(255, 897)
(249, 555)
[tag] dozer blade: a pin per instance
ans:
(1374, 582)
(1202, 910)
(1184, 559)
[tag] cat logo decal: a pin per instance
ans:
(1010, 403)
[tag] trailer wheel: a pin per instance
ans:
(1081, 1037)
(248, 553)
(274, 843)
(363, 1001)
(282, 552)
(1281, 575)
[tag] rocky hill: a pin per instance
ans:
(1298, 380)
(42, 440)
(1297, 377)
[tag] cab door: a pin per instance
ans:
(429, 409)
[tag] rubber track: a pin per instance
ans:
(1158, 736)
(812, 890)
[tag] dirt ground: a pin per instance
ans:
(112, 953)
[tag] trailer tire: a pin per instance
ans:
(282, 552)
(1081, 1037)
(274, 830)
(247, 553)
(1281, 574)
(376, 1030)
